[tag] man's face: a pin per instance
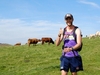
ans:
(69, 21)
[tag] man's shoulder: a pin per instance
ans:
(76, 27)
(78, 30)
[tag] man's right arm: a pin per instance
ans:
(59, 39)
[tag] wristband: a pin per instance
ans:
(72, 49)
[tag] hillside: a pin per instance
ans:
(44, 59)
(4, 44)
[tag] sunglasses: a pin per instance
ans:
(68, 18)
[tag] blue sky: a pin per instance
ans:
(23, 19)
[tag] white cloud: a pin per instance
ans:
(16, 30)
(89, 3)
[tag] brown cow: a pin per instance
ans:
(47, 39)
(17, 44)
(33, 41)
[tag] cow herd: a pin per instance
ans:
(49, 40)
(97, 34)
(34, 41)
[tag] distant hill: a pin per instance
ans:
(4, 44)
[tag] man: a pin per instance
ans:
(68, 60)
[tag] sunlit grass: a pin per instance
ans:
(44, 59)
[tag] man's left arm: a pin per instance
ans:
(78, 39)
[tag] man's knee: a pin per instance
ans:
(74, 73)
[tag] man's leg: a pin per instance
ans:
(64, 72)
(74, 73)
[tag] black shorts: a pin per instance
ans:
(72, 63)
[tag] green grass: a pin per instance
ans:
(44, 59)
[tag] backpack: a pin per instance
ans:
(79, 49)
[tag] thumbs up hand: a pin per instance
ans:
(60, 32)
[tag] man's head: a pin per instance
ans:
(68, 16)
(69, 19)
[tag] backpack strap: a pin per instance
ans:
(64, 31)
(75, 33)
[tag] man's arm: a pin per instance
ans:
(59, 39)
(78, 38)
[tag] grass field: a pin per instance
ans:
(44, 59)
